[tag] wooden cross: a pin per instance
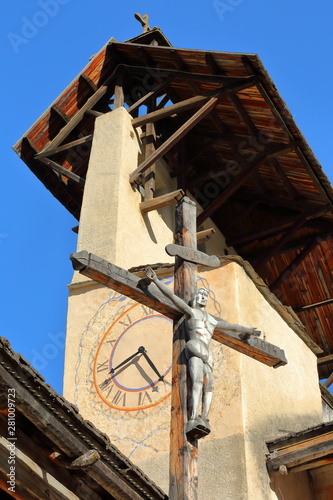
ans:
(183, 447)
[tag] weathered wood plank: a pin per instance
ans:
(63, 171)
(325, 360)
(64, 439)
(298, 453)
(161, 201)
(206, 234)
(65, 147)
(183, 466)
(192, 255)
(173, 109)
(174, 139)
(128, 284)
(28, 478)
(61, 136)
(118, 89)
(247, 170)
(152, 94)
(190, 103)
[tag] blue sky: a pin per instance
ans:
(45, 43)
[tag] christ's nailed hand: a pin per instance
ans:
(150, 273)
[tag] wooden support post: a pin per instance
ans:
(149, 180)
(118, 89)
(183, 454)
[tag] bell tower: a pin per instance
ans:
(143, 125)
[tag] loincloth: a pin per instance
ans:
(197, 348)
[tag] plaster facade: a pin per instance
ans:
(252, 402)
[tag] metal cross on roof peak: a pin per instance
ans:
(143, 20)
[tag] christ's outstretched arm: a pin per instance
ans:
(182, 306)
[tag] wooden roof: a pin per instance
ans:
(242, 157)
(307, 450)
(59, 454)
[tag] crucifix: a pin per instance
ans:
(193, 329)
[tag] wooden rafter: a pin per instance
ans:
(152, 94)
(297, 245)
(292, 266)
(314, 306)
(247, 170)
(176, 137)
(63, 171)
(284, 178)
(65, 147)
(184, 75)
(75, 120)
(325, 360)
(281, 241)
(274, 229)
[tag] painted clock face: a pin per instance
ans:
(132, 364)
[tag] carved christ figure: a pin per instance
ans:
(200, 326)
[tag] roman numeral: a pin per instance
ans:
(126, 320)
(105, 386)
(101, 367)
(147, 310)
(144, 398)
(119, 398)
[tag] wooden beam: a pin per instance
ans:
(174, 139)
(205, 235)
(247, 170)
(313, 464)
(179, 107)
(185, 75)
(161, 201)
(65, 147)
(95, 113)
(183, 466)
(30, 481)
(273, 229)
(152, 94)
(75, 120)
(281, 242)
(328, 382)
(55, 109)
(313, 306)
(149, 141)
(325, 360)
(88, 81)
(184, 129)
(288, 133)
(35, 448)
(293, 246)
(244, 116)
(66, 440)
(191, 103)
(298, 453)
(239, 215)
(292, 266)
(130, 285)
(119, 89)
(63, 171)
